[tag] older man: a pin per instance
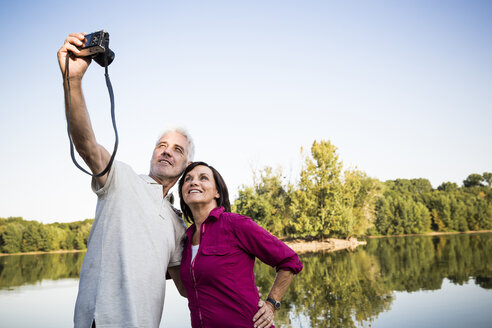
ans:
(136, 235)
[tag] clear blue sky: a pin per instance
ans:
(402, 88)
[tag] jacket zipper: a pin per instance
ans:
(192, 270)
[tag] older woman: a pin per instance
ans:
(219, 255)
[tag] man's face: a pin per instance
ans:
(170, 156)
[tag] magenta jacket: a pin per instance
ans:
(220, 282)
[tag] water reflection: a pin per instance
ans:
(348, 289)
(342, 289)
(414, 263)
(334, 289)
(18, 270)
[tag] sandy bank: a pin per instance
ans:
(51, 252)
(329, 245)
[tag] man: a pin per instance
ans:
(136, 235)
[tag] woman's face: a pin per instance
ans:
(199, 187)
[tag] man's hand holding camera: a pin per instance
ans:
(78, 65)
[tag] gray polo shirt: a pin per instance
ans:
(135, 236)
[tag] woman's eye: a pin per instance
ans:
(204, 177)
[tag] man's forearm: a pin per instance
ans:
(80, 125)
(83, 137)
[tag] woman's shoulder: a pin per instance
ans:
(237, 222)
(231, 216)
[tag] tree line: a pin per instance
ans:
(328, 201)
(325, 201)
(19, 235)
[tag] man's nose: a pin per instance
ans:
(166, 151)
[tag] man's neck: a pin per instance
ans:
(166, 183)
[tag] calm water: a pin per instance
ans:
(443, 281)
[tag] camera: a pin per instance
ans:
(97, 47)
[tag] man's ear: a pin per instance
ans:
(188, 164)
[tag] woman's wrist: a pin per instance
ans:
(273, 303)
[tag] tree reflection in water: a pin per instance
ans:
(333, 290)
(341, 289)
(18, 270)
(348, 289)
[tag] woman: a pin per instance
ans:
(219, 254)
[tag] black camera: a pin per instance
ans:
(97, 47)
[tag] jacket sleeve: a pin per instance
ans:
(260, 243)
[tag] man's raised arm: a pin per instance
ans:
(93, 154)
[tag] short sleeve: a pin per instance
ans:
(100, 191)
(179, 235)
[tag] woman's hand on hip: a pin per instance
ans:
(264, 317)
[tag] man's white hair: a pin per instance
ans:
(184, 133)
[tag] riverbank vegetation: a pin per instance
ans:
(18, 235)
(328, 201)
(325, 201)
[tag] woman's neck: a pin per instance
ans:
(201, 212)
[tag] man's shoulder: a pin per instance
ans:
(122, 166)
(121, 175)
(176, 217)
(126, 170)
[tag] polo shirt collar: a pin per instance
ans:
(149, 180)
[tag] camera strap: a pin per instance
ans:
(111, 97)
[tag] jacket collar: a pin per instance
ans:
(213, 216)
(216, 212)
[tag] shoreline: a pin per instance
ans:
(334, 244)
(303, 246)
(60, 251)
(434, 233)
(329, 245)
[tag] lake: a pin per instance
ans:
(418, 281)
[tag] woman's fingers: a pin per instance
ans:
(264, 321)
(260, 312)
(264, 317)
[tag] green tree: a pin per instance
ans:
(448, 187)
(366, 191)
(487, 177)
(473, 180)
(31, 237)
(400, 214)
(267, 202)
(12, 238)
(318, 205)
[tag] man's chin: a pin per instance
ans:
(169, 173)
